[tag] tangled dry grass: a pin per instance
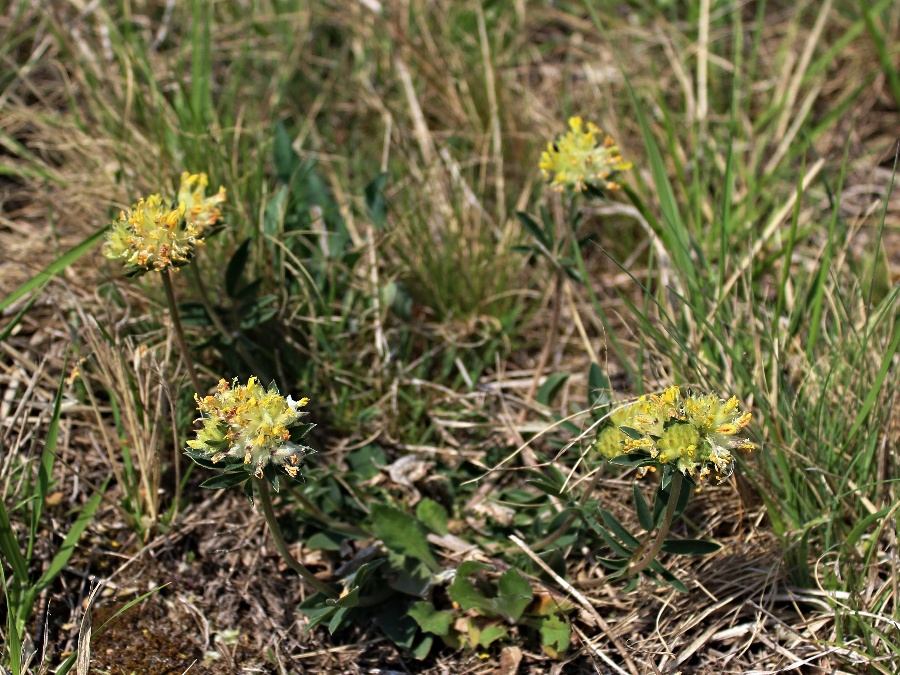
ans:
(464, 107)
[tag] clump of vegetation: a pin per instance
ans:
(514, 351)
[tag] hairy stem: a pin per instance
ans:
(649, 554)
(266, 500)
(179, 333)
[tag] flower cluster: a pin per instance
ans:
(250, 423)
(582, 156)
(158, 235)
(694, 433)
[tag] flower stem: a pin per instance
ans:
(179, 333)
(649, 555)
(266, 500)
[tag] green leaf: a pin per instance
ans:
(317, 609)
(632, 433)
(470, 567)
(555, 634)
(325, 541)
(514, 595)
(860, 528)
(667, 576)
(642, 508)
(13, 637)
(613, 563)
(421, 650)
(235, 269)
(883, 49)
(402, 533)
(690, 546)
(337, 619)
(375, 200)
(225, 480)
(599, 386)
(410, 577)
(54, 268)
(613, 524)
(490, 634)
(535, 230)
(432, 515)
(430, 619)
(549, 481)
(607, 536)
(633, 459)
(286, 160)
(463, 592)
(367, 461)
(357, 583)
(551, 387)
(396, 625)
(201, 64)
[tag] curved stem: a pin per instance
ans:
(570, 518)
(650, 554)
(179, 333)
(266, 500)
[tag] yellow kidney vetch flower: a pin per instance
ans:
(251, 423)
(694, 433)
(200, 210)
(582, 156)
(156, 235)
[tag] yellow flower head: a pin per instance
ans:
(155, 235)
(678, 445)
(582, 156)
(199, 210)
(694, 433)
(611, 442)
(250, 423)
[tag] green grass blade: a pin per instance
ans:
(13, 639)
(10, 327)
(875, 389)
(815, 317)
(61, 559)
(54, 268)
(884, 53)
(674, 233)
(48, 458)
(9, 547)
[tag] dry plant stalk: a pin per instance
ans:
(133, 377)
